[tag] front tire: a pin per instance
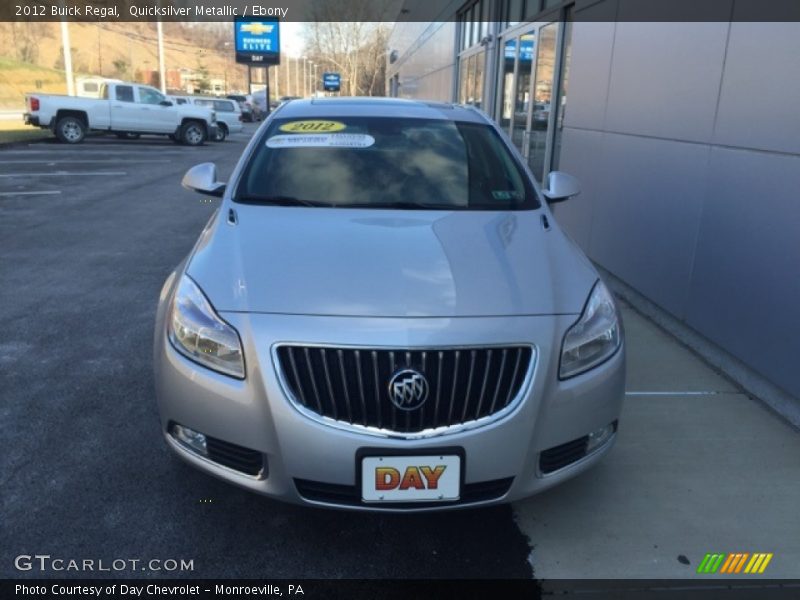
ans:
(193, 133)
(70, 130)
(221, 134)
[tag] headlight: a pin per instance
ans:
(594, 338)
(199, 334)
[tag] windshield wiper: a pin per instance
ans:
(280, 201)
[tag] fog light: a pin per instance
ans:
(600, 436)
(190, 438)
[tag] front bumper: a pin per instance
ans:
(298, 451)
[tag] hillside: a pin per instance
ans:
(31, 55)
(17, 78)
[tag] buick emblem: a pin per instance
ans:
(408, 389)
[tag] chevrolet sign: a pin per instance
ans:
(257, 42)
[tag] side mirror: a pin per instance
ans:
(561, 186)
(165, 103)
(202, 178)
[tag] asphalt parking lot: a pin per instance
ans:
(89, 234)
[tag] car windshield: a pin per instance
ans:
(382, 162)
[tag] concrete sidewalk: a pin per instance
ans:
(698, 467)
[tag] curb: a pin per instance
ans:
(754, 384)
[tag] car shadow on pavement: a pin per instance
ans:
(319, 542)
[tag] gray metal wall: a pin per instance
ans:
(427, 64)
(686, 137)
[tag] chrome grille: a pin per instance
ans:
(351, 385)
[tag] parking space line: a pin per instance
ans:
(64, 174)
(676, 393)
(30, 193)
(89, 155)
(95, 151)
(96, 145)
(39, 161)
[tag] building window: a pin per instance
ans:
(532, 8)
(485, 18)
(470, 77)
(474, 19)
(480, 61)
(513, 12)
(473, 23)
(463, 80)
(506, 108)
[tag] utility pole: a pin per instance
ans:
(161, 75)
(266, 95)
(67, 57)
(99, 53)
(305, 79)
(296, 76)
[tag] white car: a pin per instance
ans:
(123, 108)
(229, 113)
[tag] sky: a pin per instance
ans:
(292, 43)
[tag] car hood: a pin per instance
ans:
(389, 263)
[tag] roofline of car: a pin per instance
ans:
(300, 104)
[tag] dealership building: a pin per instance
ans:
(685, 137)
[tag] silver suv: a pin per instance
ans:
(384, 315)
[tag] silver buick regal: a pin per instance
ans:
(383, 314)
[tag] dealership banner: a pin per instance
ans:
(305, 589)
(400, 10)
(396, 589)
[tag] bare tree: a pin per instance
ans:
(26, 38)
(347, 36)
(373, 75)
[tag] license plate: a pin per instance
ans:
(433, 478)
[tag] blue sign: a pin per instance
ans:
(331, 82)
(257, 42)
(525, 48)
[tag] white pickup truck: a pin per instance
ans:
(127, 109)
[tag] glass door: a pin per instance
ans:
(515, 85)
(540, 128)
(562, 85)
(526, 84)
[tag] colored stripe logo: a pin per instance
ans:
(734, 563)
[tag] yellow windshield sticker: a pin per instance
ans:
(312, 126)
